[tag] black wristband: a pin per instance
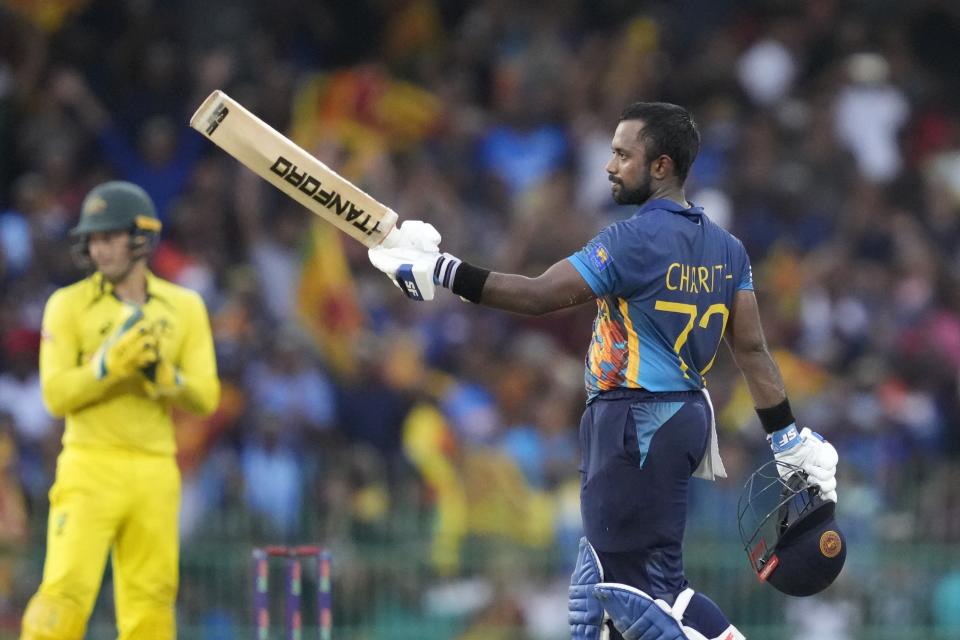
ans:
(776, 417)
(468, 282)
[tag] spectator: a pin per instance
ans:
(273, 487)
(288, 386)
(21, 399)
(870, 112)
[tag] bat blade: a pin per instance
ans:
(282, 163)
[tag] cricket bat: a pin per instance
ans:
(279, 161)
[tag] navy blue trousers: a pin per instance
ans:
(638, 452)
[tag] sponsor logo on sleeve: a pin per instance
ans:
(600, 256)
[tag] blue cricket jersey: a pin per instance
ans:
(665, 280)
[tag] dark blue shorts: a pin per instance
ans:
(639, 449)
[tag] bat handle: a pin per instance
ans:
(392, 239)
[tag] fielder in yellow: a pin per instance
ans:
(119, 349)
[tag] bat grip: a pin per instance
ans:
(392, 239)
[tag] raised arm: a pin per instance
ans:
(558, 287)
(410, 257)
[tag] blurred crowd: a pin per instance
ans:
(831, 147)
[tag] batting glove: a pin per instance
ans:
(807, 450)
(413, 234)
(409, 269)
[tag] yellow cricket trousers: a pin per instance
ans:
(123, 502)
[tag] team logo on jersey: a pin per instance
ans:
(600, 256)
(163, 327)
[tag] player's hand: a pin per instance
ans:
(809, 451)
(130, 348)
(162, 379)
(161, 376)
(413, 234)
(410, 269)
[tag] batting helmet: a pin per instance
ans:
(118, 206)
(789, 531)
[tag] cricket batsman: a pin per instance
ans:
(670, 285)
(120, 348)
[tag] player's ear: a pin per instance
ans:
(662, 167)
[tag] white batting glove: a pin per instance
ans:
(409, 269)
(809, 451)
(413, 234)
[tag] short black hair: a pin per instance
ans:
(668, 129)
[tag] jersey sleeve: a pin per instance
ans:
(746, 271)
(598, 262)
(199, 384)
(67, 384)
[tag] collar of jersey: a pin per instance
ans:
(669, 205)
(104, 286)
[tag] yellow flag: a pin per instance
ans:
(327, 300)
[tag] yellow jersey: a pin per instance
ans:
(118, 414)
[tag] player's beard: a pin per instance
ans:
(636, 195)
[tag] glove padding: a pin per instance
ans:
(413, 234)
(809, 451)
(162, 380)
(410, 256)
(130, 348)
(409, 269)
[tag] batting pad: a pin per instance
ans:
(586, 613)
(635, 614)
